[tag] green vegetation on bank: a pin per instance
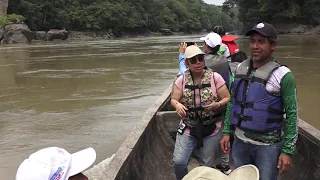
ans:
(11, 18)
(123, 15)
(285, 11)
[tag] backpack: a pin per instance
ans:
(219, 64)
(235, 53)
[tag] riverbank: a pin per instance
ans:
(20, 33)
(282, 29)
(86, 35)
(83, 35)
(296, 29)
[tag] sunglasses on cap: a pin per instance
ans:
(197, 58)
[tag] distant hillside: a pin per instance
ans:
(280, 12)
(123, 15)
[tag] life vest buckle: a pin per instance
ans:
(243, 105)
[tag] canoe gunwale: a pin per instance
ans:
(311, 132)
(111, 170)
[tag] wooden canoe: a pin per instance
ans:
(146, 154)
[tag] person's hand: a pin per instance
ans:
(212, 105)
(181, 110)
(224, 143)
(182, 47)
(284, 162)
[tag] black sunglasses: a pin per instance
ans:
(195, 59)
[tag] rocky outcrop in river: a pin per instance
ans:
(20, 33)
(16, 33)
(316, 30)
(57, 34)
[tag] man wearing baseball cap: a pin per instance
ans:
(263, 91)
(55, 163)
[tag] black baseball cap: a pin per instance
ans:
(265, 29)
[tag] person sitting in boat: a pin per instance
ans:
(199, 97)
(263, 91)
(229, 47)
(54, 163)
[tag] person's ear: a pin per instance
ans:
(274, 46)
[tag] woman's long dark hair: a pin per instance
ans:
(214, 50)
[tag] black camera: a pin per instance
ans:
(190, 43)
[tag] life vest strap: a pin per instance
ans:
(199, 108)
(250, 105)
(275, 120)
(242, 117)
(198, 86)
(249, 118)
(259, 80)
(275, 111)
(244, 104)
(254, 79)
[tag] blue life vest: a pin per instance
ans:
(253, 107)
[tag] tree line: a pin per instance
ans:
(125, 15)
(253, 11)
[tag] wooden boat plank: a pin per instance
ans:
(147, 147)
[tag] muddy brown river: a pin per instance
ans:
(76, 94)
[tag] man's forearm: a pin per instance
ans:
(289, 97)
(227, 130)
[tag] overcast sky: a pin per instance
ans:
(216, 2)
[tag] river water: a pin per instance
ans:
(78, 94)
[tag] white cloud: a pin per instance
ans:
(216, 2)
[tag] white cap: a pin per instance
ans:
(192, 51)
(212, 39)
(246, 172)
(55, 163)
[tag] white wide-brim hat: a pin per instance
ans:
(246, 172)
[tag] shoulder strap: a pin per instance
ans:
(182, 83)
(263, 73)
(214, 80)
(242, 69)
